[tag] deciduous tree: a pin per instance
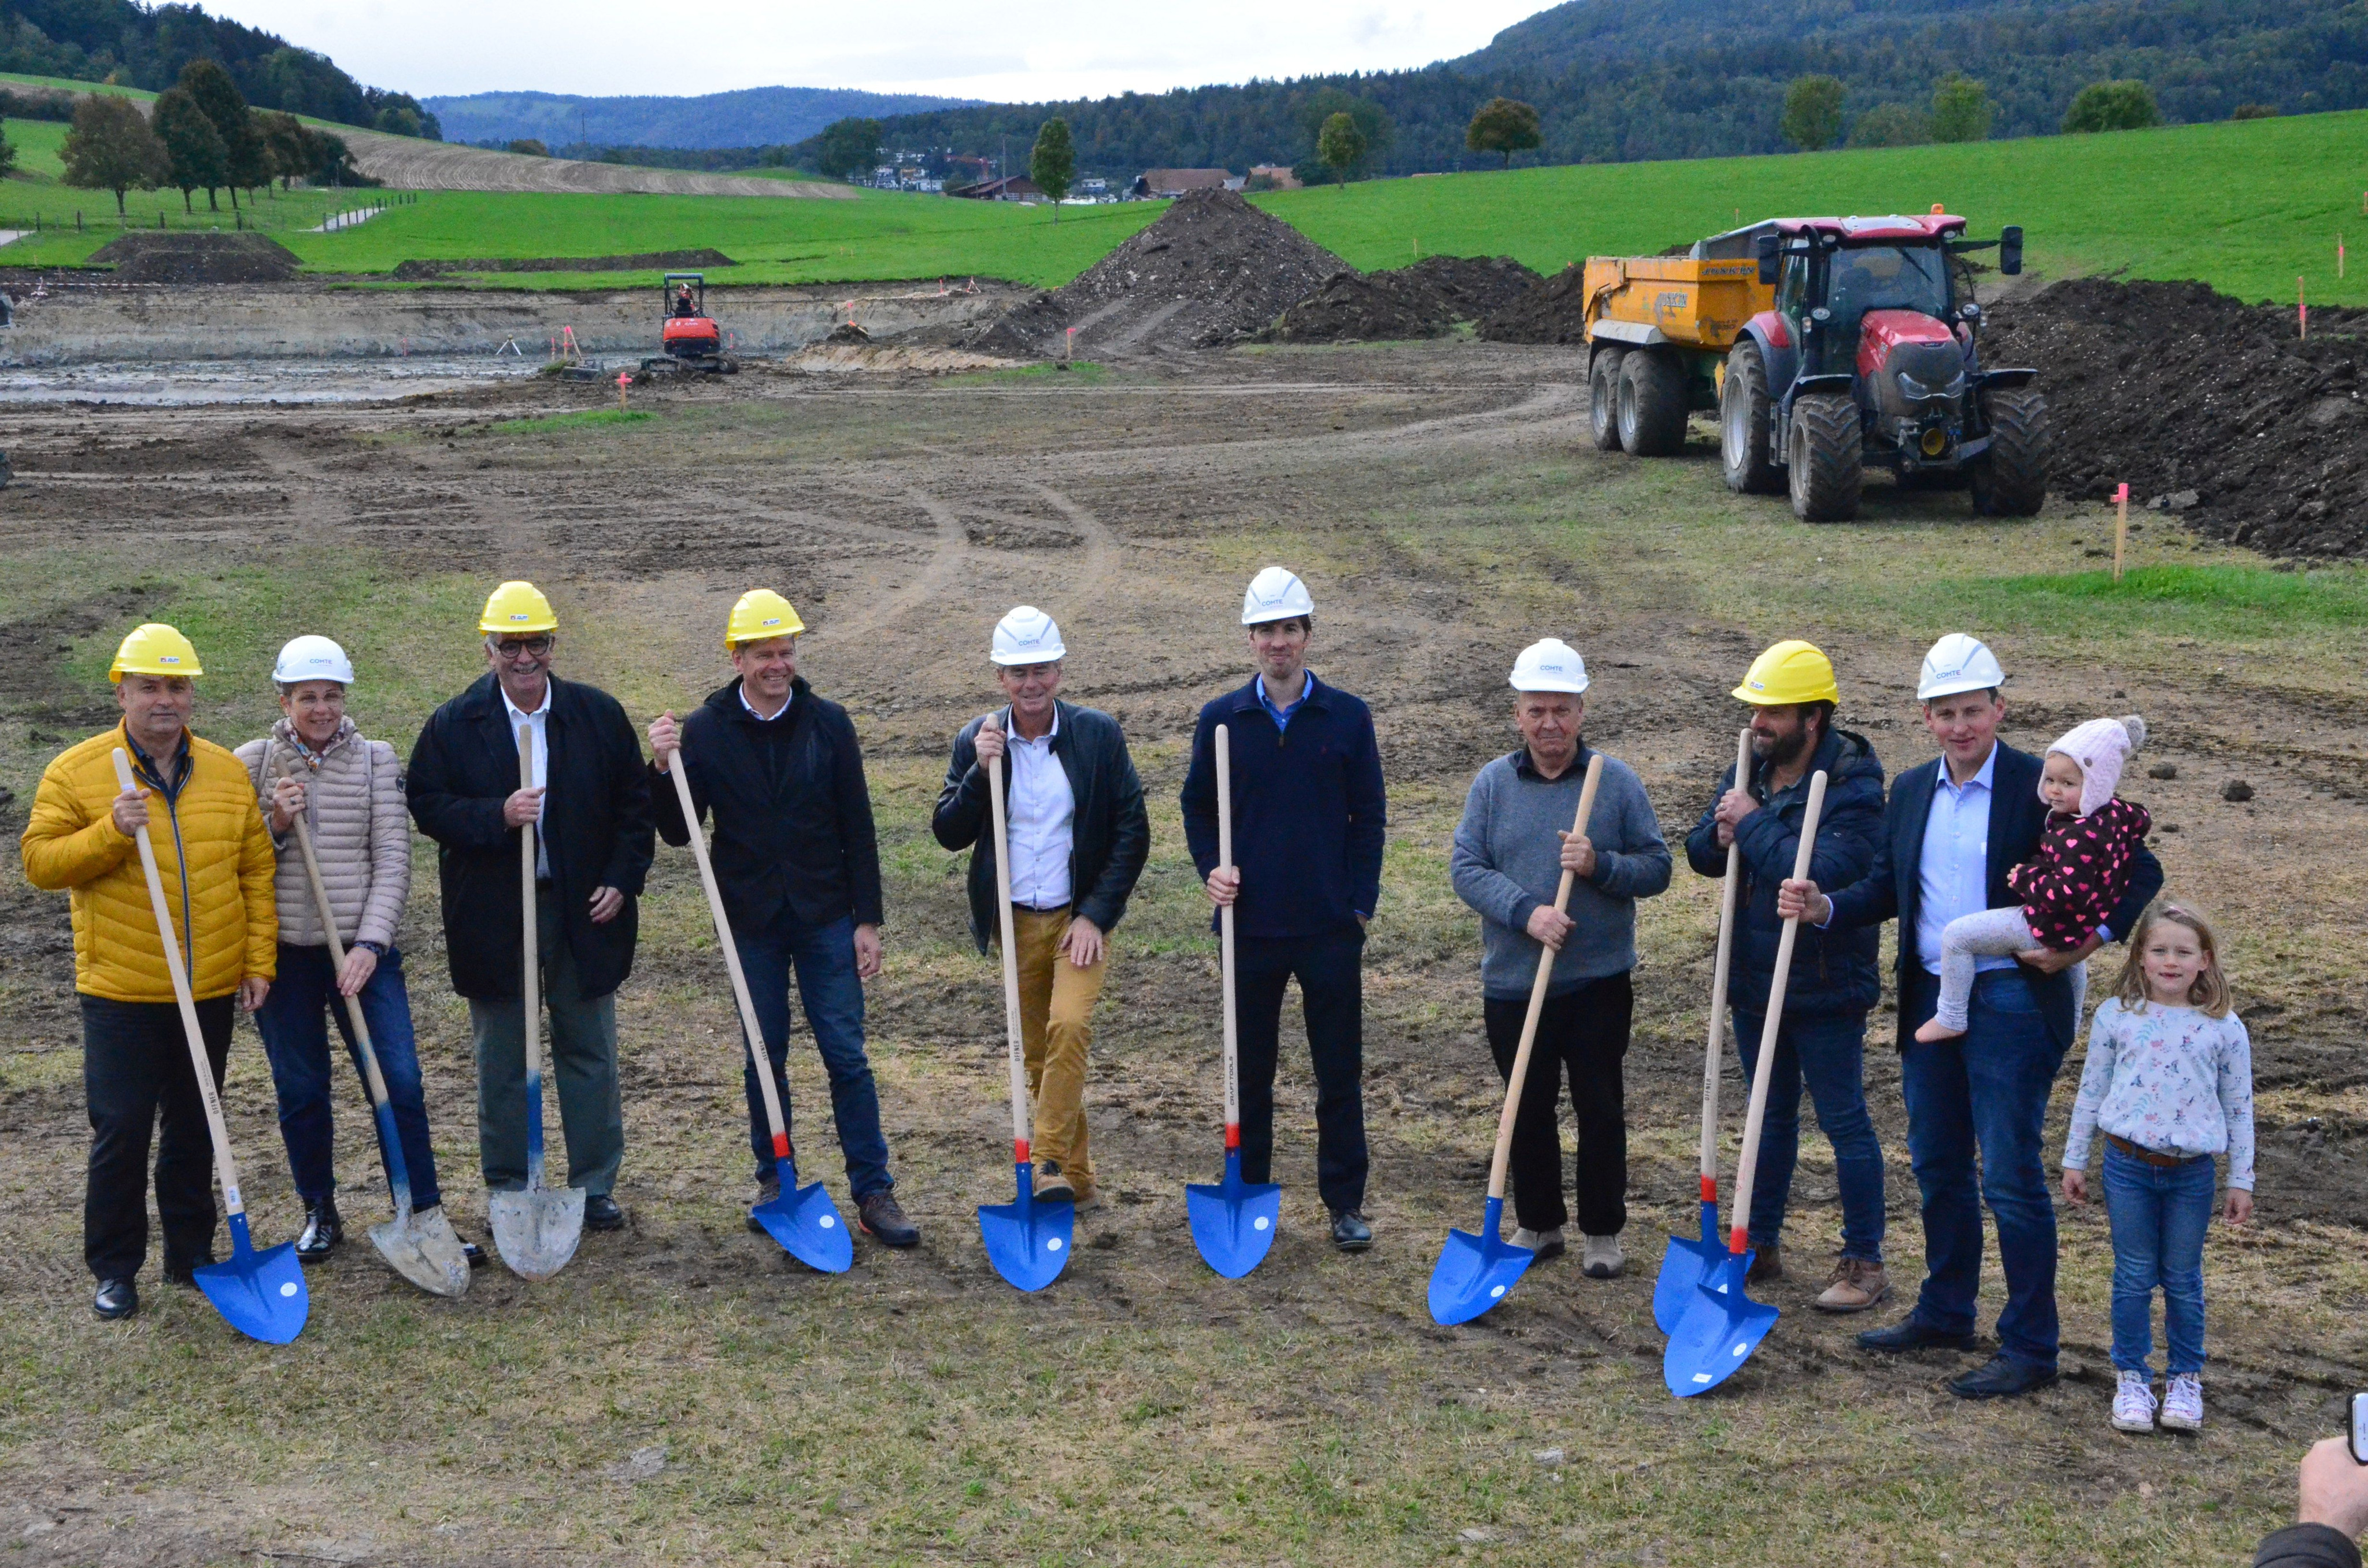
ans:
(196, 159)
(246, 163)
(291, 145)
(1053, 163)
(1962, 110)
(1890, 125)
(2112, 105)
(1339, 146)
(111, 148)
(1507, 126)
(848, 145)
(1813, 113)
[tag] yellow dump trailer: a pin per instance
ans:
(1657, 331)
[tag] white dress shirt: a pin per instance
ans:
(1043, 809)
(538, 777)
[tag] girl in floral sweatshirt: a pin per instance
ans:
(2170, 1082)
(2070, 883)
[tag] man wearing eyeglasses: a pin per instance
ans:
(584, 796)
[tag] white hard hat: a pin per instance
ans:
(309, 657)
(1027, 636)
(1958, 663)
(1275, 595)
(1551, 664)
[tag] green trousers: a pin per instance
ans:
(580, 1054)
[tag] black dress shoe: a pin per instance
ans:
(116, 1299)
(1351, 1231)
(2001, 1377)
(472, 1251)
(601, 1213)
(323, 1228)
(883, 1219)
(1909, 1335)
(186, 1273)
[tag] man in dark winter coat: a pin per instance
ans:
(798, 866)
(2333, 1513)
(586, 801)
(1079, 836)
(1821, 1040)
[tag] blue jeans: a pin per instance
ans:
(2159, 1214)
(1984, 1095)
(824, 957)
(296, 1038)
(1828, 1055)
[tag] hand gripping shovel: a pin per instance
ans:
(1233, 1221)
(803, 1219)
(1721, 1327)
(420, 1247)
(261, 1294)
(1475, 1272)
(535, 1229)
(1687, 1263)
(1028, 1242)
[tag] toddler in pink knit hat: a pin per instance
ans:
(2074, 880)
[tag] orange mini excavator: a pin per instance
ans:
(690, 338)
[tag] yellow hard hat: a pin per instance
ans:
(517, 606)
(154, 649)
(1792, 671)
(761, 613)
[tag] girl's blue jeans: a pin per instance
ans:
(2158, 1215)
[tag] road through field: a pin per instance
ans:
(1445, 509)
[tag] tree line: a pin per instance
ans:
(200, 134)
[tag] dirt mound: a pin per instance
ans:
(2203, 406)
(1552, 311)
(171, 257)
(646, 261)
(1213, 271)
(409, 163)
(1422, 300)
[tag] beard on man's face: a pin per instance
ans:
(1786, 750)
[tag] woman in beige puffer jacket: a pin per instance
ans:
(348, 791)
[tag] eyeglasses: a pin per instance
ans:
(511, 647)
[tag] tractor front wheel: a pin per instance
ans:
(1744, 415)
(1825, 454)
(1603, 398)
(2010, 479)
(1652, 405)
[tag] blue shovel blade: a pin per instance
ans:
(1474, 1273)
(1028, 1242)
(1720, 1330)
(1233, 1221)
(807, 1225)
(261, 1294)
(1687, 1264)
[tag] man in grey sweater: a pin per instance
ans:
(1510, 851)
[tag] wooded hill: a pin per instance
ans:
(1619, 80)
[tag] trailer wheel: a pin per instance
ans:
(1825, 455)
(1603, 398)
(2010, 479)
(1744, 417)
(1652, 406)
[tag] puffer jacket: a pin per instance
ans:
(222, 910)
(361, 835)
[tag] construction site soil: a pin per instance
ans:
(169, 257)
(645, 261)
(1445, 504)
(1422, 300)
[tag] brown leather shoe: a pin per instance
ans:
(1051, 1186)
(1767, 1264)
(1856, 1284)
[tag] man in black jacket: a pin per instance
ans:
(1952, 829)
(1079, 836)
(586, 801)
(799, 868)
(1308, 816)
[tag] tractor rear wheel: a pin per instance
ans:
(1652, 405)
(2010, 479)
(1744, 417)
(1825, 453)
(1603, 398)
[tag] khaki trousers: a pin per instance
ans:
(1057, 1004)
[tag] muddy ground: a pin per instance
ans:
(1442, 504)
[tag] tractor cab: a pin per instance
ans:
(688, 333)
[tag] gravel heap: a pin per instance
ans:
(1422, 300)
(171, 257)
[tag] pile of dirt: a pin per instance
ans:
(170, 258)
(2203, 406)
(1422, 300)
(646, 261)
(1213, 271)
(1552, 311)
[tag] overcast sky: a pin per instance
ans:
(1031, 50)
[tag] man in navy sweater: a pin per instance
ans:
(1308, 814)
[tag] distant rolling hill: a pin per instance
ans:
(754, 116)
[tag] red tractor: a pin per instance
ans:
(1870, 356)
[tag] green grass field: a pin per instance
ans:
(37, 142)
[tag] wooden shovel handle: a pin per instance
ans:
(530, 980)
(1225, 936)
(1520, 1073)
(369, 1053)
(1739, 1234)
(1017, 1052)
(1727, 898)
(740, 996)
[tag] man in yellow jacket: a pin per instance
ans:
(214, 852)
